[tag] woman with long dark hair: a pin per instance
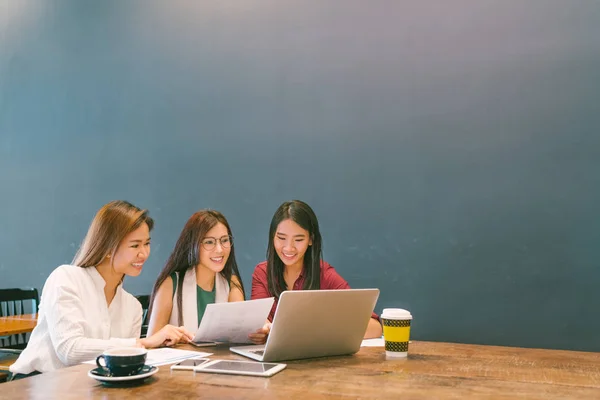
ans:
(201, 270)
(295, 262)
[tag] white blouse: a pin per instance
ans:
(74, 322)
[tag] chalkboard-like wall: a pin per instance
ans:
(451, 149)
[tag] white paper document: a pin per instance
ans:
(376, 342)
(166, 355)
(232, 322)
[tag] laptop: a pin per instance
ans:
(315, 323)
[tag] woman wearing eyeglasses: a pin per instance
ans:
(201, 270)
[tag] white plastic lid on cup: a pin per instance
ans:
(396, 313)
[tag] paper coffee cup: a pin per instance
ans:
(396, 331)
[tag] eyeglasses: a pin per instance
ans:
(209, 243)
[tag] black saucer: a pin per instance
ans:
(103, 375)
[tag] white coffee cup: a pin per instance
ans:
(396, 331)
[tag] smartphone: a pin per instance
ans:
(236, 367)
(189, 364)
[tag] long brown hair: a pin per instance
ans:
(109, 227)
(186, 254)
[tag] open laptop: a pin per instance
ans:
(315, 323)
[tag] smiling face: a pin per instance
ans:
(132, 252)
(215, 248)
(291, 242)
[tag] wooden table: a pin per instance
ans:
(17, 324)
(432, 370)
(10, 326)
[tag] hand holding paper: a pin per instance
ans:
(232, 322)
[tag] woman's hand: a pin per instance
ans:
(168, 336)
(260, 336)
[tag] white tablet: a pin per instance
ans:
(236, 367)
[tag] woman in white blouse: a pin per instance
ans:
(84, 309)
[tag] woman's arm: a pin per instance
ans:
(260, 288)
(136, 328)
(260, 336)
(169, 335)
(333, 280)
(374, 329)
(162, 306)
(160, 333)
(235, 293)
(67, 321)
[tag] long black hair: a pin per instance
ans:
(186, 254)
(301, 213)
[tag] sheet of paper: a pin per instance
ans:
(166, 355)
(377, 342)
(232, 322)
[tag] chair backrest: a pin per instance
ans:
(144, 300)
(17, 302)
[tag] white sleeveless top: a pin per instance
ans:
(190, 300)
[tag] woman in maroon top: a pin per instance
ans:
(294, 262)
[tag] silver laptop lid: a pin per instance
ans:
(318, 323)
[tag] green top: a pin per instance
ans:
(203, 297)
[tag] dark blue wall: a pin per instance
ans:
(451, 149)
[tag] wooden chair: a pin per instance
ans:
(17, 302)
(6, 360)
(144, 300)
